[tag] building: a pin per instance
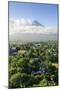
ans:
(12, 51)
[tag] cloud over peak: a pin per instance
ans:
(28, 26)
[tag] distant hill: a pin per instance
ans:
(31, 37)
(36, 23)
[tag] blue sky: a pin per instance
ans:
(46, 14)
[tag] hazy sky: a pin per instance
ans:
(44, 13)
(22, 14)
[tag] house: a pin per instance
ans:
(22, 51)
(12, 51)
(38, 72)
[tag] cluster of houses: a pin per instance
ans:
(14, 50)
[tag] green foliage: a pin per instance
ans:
(15, 80)
(43, 82)
(24, 67)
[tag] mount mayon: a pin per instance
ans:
(28, 31)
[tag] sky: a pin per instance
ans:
(45, 14)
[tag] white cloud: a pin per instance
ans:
(25, 26)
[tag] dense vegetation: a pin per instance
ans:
(33, 64)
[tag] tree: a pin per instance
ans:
(14, 81)
(43, 82)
